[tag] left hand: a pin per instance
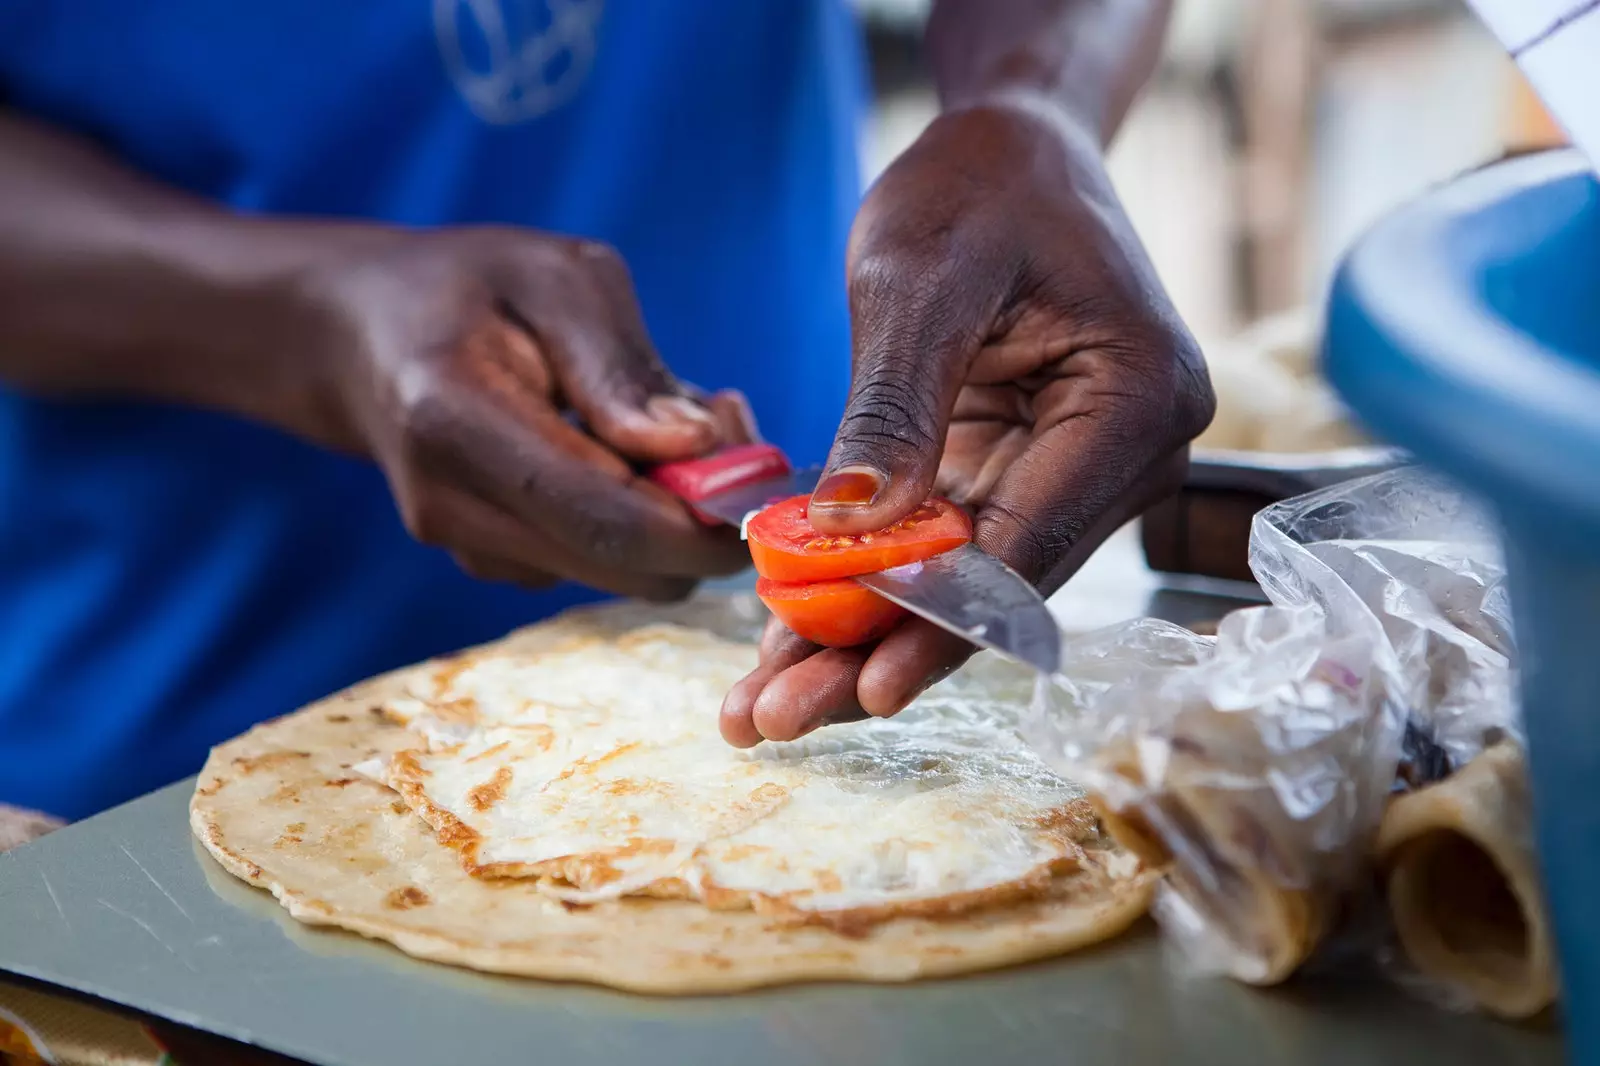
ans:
(1014, 350)
(19, 827)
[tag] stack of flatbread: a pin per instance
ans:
(560, 805)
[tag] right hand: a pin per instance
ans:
(504, 382)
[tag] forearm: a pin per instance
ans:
(1088, 58)
(114, 284)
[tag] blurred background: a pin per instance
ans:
(1275, 132)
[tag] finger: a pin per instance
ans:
(736, 422)
(503, 571)
(736, 720)
(776, 637)
(908, 662)
(495, 546)
(918, 322)
(585, 315)
(816, 691)
(513, 450)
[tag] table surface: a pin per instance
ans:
(127, 907)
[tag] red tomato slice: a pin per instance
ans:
(786, 548)
(835, 614)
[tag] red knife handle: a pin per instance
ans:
(692, 480)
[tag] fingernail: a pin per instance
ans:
(854, 486)
(679, 411)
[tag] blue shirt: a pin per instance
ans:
(169, 577)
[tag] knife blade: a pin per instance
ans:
(966, 591)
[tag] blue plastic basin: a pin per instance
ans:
(1466, 328)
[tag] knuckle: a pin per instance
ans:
(886, 414)
(1196, 401)
(597, 259)
(1031, 547)
(421, 414)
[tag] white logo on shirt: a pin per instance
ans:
(528, 56)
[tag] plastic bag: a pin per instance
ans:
(1255, 767)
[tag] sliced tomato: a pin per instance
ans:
(785, 546)
(835, 614)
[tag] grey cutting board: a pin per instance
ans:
(126, 907)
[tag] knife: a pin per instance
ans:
(966, 591)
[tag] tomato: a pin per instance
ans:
(786, 548)
(835, 614)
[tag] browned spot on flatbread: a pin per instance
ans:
(406, 766)
(384, 715)
(769, 793)
(341, 782)
(463, 711)
(286, 840)
(295, 827)
(403, 899)
(491, 791)
(288, 792)
(1071, 822)
(829, 881)
(249, 764)
(399, 807)
(486, 752)
(339, 718)
(585, 765)
(628, 786)
(589, 870)
(451, 831)
(212, 787)
(347, 837)
(539, 734)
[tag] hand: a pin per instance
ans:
(1014, 351)
(18, 827)
(504, 382)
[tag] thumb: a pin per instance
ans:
(917, 331)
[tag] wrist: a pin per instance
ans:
(1021, 137)
(1071, 118)
(246, 326)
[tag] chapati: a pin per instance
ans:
(558, 805)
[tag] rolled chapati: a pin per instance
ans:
(1238, 873)
(1463, 885)
(1253, 777)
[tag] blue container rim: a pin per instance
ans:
(1407, 320)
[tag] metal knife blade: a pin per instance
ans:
(965, 591)
(974, 595)
(738, 504)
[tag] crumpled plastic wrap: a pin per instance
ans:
(1255, 767)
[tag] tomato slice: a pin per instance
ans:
(785, 547)
(835, 614)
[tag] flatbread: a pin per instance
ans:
(284, 808)
(1463, 885)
